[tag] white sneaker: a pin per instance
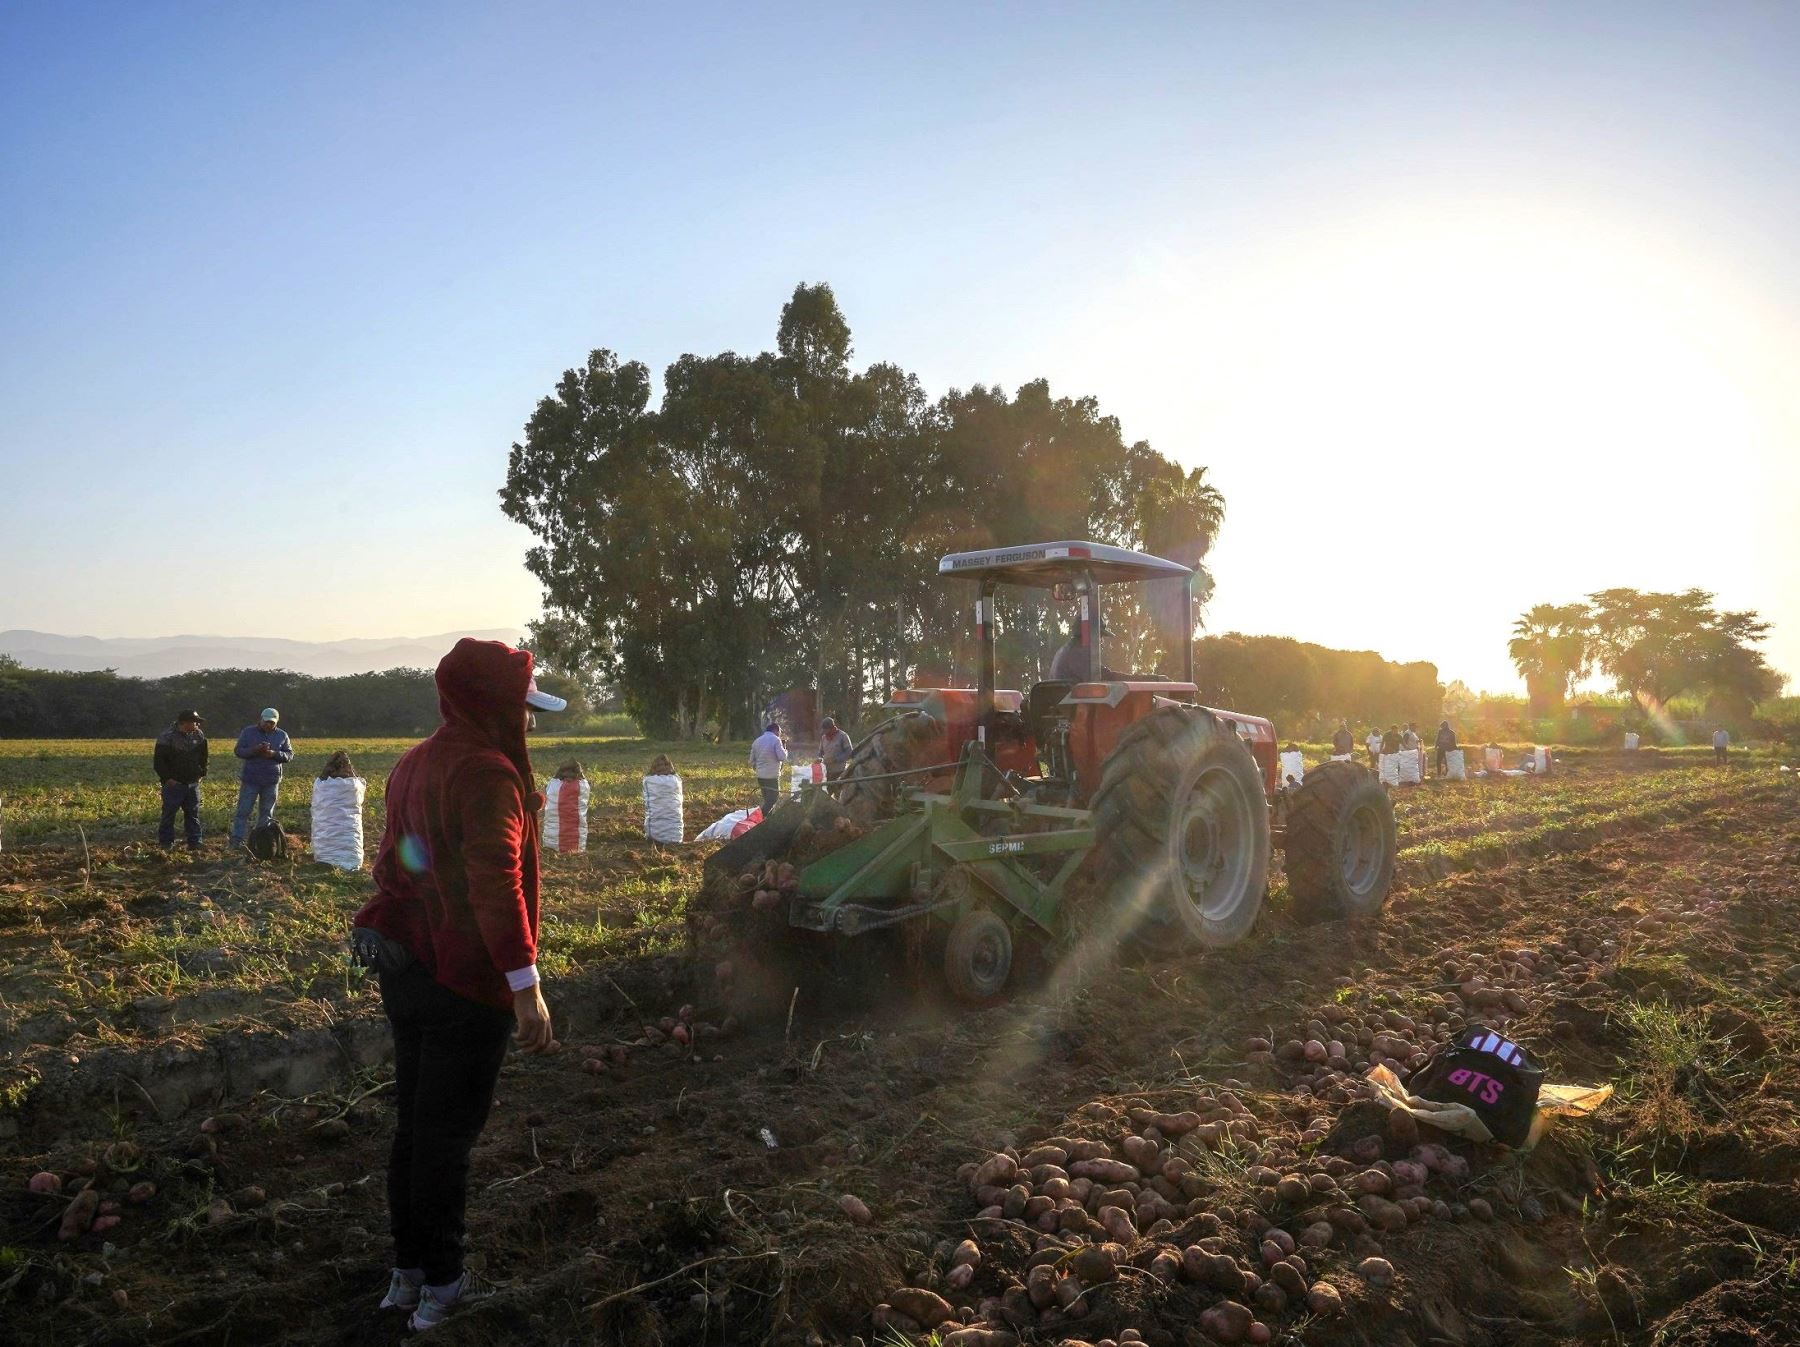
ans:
(436, 1303)
(402, 1292)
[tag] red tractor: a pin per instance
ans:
(982, 804)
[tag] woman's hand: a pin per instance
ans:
(533, 1034)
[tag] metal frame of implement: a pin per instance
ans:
(905, 859)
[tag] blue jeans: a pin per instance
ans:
(186, 799)
(263, 797)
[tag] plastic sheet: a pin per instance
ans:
(337, 830)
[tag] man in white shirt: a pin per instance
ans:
(767, 753)
(1721, 742)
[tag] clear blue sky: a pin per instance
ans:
(279, 284)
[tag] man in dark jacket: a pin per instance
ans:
(1390, 742)
(264, 748)
(1446, 743)
(1343, 743)
(452, 931)
(180, 762)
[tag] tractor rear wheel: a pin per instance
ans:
(978, 956)
(912, 739)
(1181, 831)
(1340, 843)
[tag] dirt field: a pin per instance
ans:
(1634, 927)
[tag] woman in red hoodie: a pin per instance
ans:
(452, 932)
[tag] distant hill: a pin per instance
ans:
(161, 656)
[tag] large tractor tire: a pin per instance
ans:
(912, 739)
(1181, 831)
(1340, 843)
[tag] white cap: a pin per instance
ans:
(543, 701)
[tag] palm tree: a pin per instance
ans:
(1552, 648)
(1181, 514)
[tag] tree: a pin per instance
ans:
(1656, 646)
(1552, 648)
(776, 521)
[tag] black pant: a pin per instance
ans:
(184, 798)
(447, 1055)
(771, 789)
(1443, 759)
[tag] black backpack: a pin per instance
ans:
(267, 842)
(1490, 1074)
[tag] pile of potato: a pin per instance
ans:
(1274, 1214)
(1211, 1197)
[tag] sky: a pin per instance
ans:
(1464, 308)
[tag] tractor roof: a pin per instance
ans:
(1047, 564)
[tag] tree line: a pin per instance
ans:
(46, 704)
(1654, 647)
(775, 521)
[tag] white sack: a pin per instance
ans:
(1540, 761)
(664, 820)
(803, 772)
(337, 834)
(1294, 765)
(1390, 769)
(1453, 765)
(555, 838)
(1631, 741)
(1342, 757)
(1492, 759)
(721, 831)
(1411, 766)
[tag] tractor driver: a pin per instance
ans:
(1070, 663)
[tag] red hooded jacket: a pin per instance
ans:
(456, 876)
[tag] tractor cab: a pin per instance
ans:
(1052, 740)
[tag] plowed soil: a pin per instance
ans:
(691, 1195)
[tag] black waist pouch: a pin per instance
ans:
(374, 951)
(1495, 1077)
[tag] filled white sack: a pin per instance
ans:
(1390, 769)
(1294, 765)
(663, 815)
(337, 831)
(565, 815)
(1453, 765)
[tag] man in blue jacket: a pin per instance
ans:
(264, 747)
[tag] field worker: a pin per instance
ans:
(767, 753)
(264, 747)
(1343, 743)
(452, 933)
(180, 762)
(1373, 744)
(1446, 743)
(1409, 737)
(1721, 744)
(835, 748)
(1390, 742)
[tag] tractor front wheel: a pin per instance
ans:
(1181, 831)
(978, 956)
(1340, 843)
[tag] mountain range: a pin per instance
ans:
(160, 656)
